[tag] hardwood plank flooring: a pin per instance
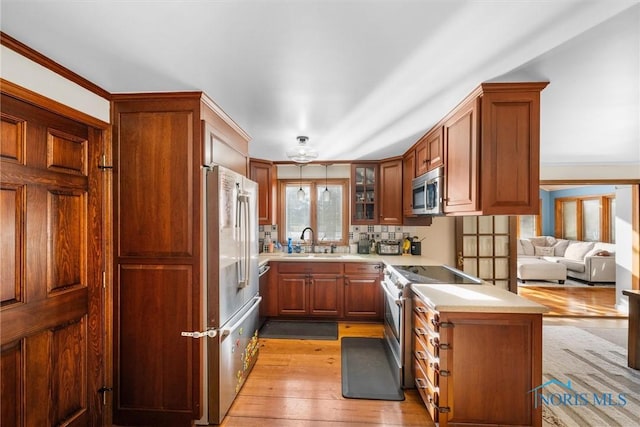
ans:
(574, 301)
(298, 383)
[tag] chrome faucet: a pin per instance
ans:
(313, 239)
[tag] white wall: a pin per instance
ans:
(19, 70)
(439, 240)
(624, 245)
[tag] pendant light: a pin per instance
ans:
(300, 190)
(326, 194)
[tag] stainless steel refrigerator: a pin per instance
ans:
(231, 305)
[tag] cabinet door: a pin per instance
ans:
(461, 160)
(408, 173)
(434, 142)
(293, 294)
(362, 297)
(325, 295)
(262, 172)
(422, 157)
(391, 192)
(364, 191)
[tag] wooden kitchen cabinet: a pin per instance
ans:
(264, 173)
(499, 353)
(492, 151)
(160, 142)
(422, 156)
(408, 173)
(391, 208)
(310, 289)
(429, 151)
(362, 291)
(364, 193)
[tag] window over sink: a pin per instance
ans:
(328, 217)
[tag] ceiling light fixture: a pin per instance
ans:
(326, 194)
(302, 153)
(300, 190)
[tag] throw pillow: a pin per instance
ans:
(538, 241)
(577, 250)
(560, 247)
(543, 251)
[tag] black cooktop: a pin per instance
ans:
(434, 274)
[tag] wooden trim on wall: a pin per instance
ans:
(35, 56)
(49, 104)
(635, 239)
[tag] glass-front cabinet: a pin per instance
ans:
(364, 193)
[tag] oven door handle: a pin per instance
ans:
(399, 301)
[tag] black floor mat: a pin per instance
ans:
(367, 372)
(299, 330)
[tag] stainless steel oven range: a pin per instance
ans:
(396, 284)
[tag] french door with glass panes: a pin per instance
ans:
(486, 248)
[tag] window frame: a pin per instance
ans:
(316, 185)
(605, 216)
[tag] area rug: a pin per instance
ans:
(586, 381)
(304, 330)
(366, 370)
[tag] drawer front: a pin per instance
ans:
(428, 393)
(362, 268)
(427, 361)
(429, 338)
(429, 316)
(310, 267)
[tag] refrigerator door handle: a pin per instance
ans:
(243, 265)
(226, 331)
(211, 333)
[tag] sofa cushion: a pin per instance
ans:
(543, 250)
(527, 247)
(560, 247)
(572, 264)
(577, 250)
(539, 241)
(609, 247)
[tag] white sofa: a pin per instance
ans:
(593, 262)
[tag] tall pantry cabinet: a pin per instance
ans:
(160, 143)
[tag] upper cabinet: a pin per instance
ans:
(264, 173)
(492, 151)
(391, 192)
(408, 173)
(428, 151)
(364, 191)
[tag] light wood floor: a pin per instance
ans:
(574, 301)
(298, 383)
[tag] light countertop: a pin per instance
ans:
(475, 298)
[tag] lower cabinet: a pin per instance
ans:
(477, 368)
(362, 298)
(349, 291)
(310, 289)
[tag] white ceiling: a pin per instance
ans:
(362, 79)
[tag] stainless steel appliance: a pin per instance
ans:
(231, 306)
(396, 284)
(427, 192)
(389, 247)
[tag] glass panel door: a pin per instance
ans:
(485, 247)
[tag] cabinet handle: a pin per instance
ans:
(420, 383)
(421, 355)
(420, 331)
(438, 324)
(437, 344)
(421, 310)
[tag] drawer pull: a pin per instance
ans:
(443, 373)
(441, 409)
(420, 383)
(421, 355)
(438, 324)
(420, 309)
(437, 344)
(420, 331)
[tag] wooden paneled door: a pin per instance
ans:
(485, 248)
(51, 259)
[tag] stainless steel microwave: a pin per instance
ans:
(427, 192)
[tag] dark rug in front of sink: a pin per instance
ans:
(367, 370)
(301, 330)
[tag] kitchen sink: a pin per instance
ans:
(321, 256)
